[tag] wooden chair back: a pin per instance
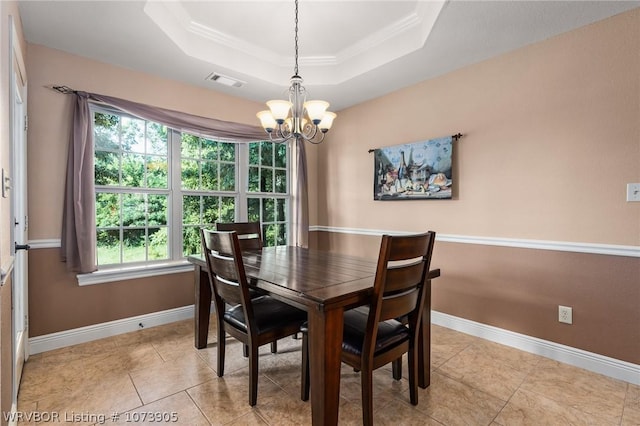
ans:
(227, 274)
(249, 233)
(401, 275)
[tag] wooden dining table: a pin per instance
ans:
(324, 284)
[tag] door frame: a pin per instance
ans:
(17, 193)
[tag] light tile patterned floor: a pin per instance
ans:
(158, 372)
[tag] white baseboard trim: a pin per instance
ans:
(601, 364)
(13, 415)
(568, 246)
(66, 338)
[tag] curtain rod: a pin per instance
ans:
(63, 89)
(454, 137)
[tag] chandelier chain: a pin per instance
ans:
(286, 120)
(296, 40)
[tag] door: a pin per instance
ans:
(16, 189)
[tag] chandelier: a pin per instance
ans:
(286, 120)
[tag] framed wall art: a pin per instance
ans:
(414, 171)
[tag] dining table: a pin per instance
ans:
(324, 284)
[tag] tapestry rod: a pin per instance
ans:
(454, 137)
(63, 89)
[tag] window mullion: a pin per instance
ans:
(292, 152)
(175, 196)
(242, 181)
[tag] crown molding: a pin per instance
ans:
(379, 47)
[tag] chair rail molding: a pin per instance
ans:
(592, 248)
(568, 246)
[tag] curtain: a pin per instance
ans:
(202, 126)
(300, 222)
(78, 240)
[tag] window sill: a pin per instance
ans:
(134, 272)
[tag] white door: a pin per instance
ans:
(16, 189)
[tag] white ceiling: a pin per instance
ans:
(349, 51)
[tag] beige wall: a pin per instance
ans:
(552, 137)
(519, 289)
(57, 302)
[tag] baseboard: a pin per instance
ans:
(12, 417)
(66, 338)
(601, 364)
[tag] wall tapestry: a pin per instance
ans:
(415, 171)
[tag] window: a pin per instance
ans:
(267, 196)
(208, 176)
(156, 187)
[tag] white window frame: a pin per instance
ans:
(176, 263)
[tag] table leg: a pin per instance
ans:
(424, 342)
(325, 347)
(202, 306)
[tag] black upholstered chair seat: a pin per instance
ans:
(269, 314)
(390, 333)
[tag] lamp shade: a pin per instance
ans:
(279, 109)
(327, 121)
(315, 110)
(266, 120)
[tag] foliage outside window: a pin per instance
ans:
(208, 170)
(156, 187)
(267, 198)
(131, 178)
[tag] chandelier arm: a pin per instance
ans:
(278, 139)
(315, 141)
(282, 133)
(313, 132)
(311, 136)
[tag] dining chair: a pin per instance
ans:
(249, 233)
(250, 237)
(253, 321)
(388, 327)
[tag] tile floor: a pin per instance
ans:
(158, 372)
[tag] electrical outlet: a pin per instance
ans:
(565, 314)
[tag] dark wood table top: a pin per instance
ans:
(309, 276)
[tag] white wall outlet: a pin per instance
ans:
(633, 192)
(565, 314)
